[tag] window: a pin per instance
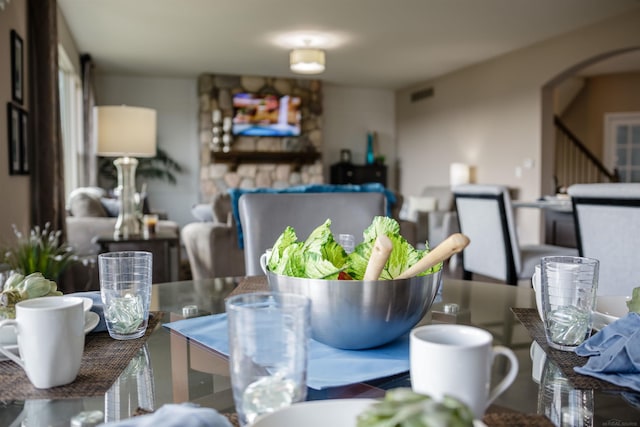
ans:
(622, 142)
(70, 88)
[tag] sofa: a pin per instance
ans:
(211, 242)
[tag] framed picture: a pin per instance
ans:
(17, 68)
(24, 143)
(13, 126)
(17, 126)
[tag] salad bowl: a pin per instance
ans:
(362, 314)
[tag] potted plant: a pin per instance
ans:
(41, 251)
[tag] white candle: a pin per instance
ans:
(216, 116)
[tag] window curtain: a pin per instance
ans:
(47, 173)
(89, 173)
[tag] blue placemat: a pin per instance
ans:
(328, 366)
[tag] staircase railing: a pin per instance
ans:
(574, 163)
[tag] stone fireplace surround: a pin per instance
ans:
(215, 92)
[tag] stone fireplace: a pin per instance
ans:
(256, 162)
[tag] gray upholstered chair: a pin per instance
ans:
(212, 245)
(485, 215)
(607, 220)
(264, 216)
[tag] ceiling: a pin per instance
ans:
(369, 43)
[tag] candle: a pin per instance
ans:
(216, 116)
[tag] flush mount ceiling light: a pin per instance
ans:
(307, 60)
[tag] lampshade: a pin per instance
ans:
(459, 173)
(307, 61)
(126, 131)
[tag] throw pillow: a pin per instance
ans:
(111, 206)
(84, 204)
(421, 204)
(202, 212)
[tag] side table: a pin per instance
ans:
(164, 245)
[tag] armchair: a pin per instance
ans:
(434, 214)
(212, 246)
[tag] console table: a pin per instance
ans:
(348, 173)
(164, 245)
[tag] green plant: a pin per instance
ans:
(40, 251)
(161, 167)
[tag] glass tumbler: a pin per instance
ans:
(568, 288)
(125, 288)
(268, 345)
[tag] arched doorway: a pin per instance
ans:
(568, 87)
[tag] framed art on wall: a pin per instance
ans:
(17, 125)
(13, 126)
(17, 67)
(24, 143)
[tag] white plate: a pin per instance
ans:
(538, 359)
(12, 348)
(608, 310)
(321, 413)
(91, 320)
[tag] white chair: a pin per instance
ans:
(485, 215)
(607, 220)
(264, 216)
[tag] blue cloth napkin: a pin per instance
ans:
(97, 307)
(327, 366)
(614, 353)
(235, 194)
(174, 415)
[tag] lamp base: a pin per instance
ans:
(128, 223)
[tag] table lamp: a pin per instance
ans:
(126, 133)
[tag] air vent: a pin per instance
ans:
(422, 94)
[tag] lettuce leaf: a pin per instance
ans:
(634, 302)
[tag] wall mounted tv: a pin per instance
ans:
(265, 115)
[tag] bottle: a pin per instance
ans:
(371, 158)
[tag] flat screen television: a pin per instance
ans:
(265, 115)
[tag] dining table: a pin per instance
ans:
(166, 367)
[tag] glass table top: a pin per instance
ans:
(171, 369)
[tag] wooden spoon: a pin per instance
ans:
(450, 246)
(379, 256)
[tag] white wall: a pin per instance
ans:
(176, 103)
(491, 116)
(349, 114)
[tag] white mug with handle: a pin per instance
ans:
(456, 360)
(51, 336)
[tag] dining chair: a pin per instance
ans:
(264, 216)
(607, 218)
(485, 215)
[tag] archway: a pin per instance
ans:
(549, 102)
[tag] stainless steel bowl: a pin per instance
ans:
(356, 314)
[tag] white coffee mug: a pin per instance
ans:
(50, 334)
(563, 275)
(535, 282)
(456, 360)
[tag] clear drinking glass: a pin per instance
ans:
(268, 345)
(125, 288)
(568, 287)
(560, 402)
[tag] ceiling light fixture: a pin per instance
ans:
(307, 60)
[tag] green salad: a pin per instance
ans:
(322, 257)
(634, 303)
(402, 407)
